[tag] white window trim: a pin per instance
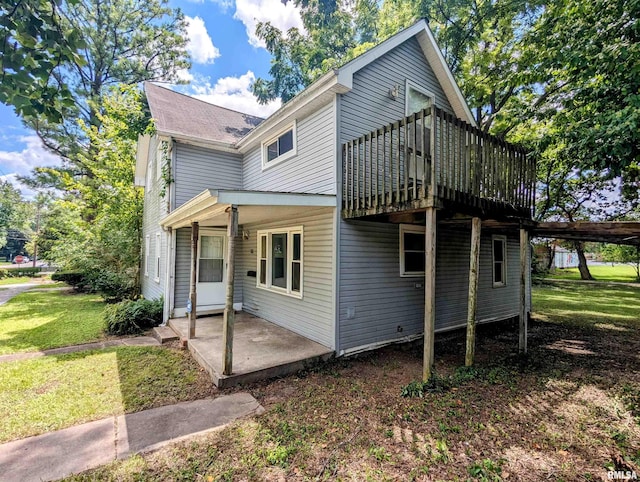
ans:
(413, 85)
(147, 241)
(409, 228)
(499, 237)
(288, 155)
(289, 231)
(157, 258)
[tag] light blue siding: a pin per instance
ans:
(311, 170)
(375, 302)
(155, 208)
(368, 105)
(199, 168)
(313, 315)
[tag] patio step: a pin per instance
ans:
(164, 334)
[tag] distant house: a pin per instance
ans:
(345, 197)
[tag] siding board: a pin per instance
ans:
(312, 170)
(313, 315)
(371, 285)
(198, 168)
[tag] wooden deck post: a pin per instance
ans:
(193, 297)
(474, 262)
(429, 292)
(524, 266)
(229, 314)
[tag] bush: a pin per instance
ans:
(72, 278)
(18, 272)
(132, 317)
(112, 286)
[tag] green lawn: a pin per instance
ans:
(34, 321)
(54, 392)
(15, 281)
(587, 305)
(619, 272)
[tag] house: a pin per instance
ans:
(324, 217)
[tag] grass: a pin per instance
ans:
(51, 393)
(34, 321)
(570, 410)
(15, 281)
(618, 273)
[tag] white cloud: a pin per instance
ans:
(26, 192)
(282, 15)
(32, 155)
(224, 5)
(234, 93)
(200, 45)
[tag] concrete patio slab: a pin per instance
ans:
(261, 349)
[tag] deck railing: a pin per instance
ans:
(390, 169)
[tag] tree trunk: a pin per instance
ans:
(551, 252)
(585, 274)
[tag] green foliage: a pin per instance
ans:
(36, 43)
(72, 278)
(132, 317)
(20, 272)
(486, 470)
(623, 254)
(497, 375)
(11, 210)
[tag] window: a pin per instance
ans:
(280, 147)
(499, 248)
(419, 141)
(146, 255)
(280, 263)
(157, 259)
(211, 262)
(411, 250)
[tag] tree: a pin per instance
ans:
(36, 42)
(617, 253)
(11, 210)
(333, 34)
(127, 41)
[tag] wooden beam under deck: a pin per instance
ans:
(474, 268)
(229, 315)
(429, 292)
(193, 296)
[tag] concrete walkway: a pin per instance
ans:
(9, 291)
(59, 454)
(132, 341)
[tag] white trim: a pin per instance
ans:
(409, 84)
(210, 203)
(409, 228)
(142, 158)
(147, 243)
(503, 239)
(205, 310)
(157, 256)
(293, 127)
(268, 233)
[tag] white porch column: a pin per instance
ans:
(193, 298)
(474, 262)
(524, 267)
(229, 314)
(429, 292)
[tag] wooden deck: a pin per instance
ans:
(432, 159)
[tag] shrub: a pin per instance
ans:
(131, 317)
(72, 278)
(18, 272)
(112, 286)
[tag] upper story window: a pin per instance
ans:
(499, 251)
(278, 148)
(417, 98)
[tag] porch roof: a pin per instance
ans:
(210, 207)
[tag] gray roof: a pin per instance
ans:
(178, 114)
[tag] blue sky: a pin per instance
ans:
(226, 59)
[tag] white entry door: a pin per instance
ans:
(211, 270)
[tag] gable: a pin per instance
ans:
(369, 105)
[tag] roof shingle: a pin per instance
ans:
(179, 114)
